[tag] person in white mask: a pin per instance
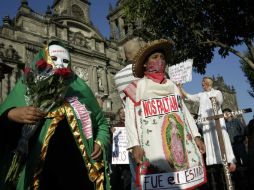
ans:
(68, 149)
(59, 55)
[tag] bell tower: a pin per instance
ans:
(75, 9)
(120, 30)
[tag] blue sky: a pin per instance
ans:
(229, 67)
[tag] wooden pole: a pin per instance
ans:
(222, 146)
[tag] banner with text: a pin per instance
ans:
(185, 179)
(119, 152)
(182, 72)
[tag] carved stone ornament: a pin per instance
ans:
(9, 52)
(100, 80)
(78, 39)
(81, 72)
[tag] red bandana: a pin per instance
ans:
(155, 70)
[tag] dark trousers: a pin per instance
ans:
(216, 179)
(120, 177)
(240, 154)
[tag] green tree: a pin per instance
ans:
(197, 27)
(249, 73)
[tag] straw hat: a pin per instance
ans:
(141, 56)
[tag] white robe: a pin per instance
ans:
(213, 155)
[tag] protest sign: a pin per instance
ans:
(174, 180)
(182, 72)
(119, 152)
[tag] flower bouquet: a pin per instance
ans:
(45, 88)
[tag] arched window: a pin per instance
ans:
(64, 12)
(77, 12)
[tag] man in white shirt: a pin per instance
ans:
(209, 132)
(213, 156)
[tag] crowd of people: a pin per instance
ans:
(70, 144)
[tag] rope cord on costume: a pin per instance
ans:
(94, 170)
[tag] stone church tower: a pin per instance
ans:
(94, 59)
(76, 9)
(120, 31)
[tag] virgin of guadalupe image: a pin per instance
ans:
(173, 141)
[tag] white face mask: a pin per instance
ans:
(59, 56)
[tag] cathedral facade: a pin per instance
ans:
(94, 58)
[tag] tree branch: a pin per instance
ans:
(232, 50)
(250, 47)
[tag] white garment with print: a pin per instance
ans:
(146, 89)
(157, 119)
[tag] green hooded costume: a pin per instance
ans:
(60, 150)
